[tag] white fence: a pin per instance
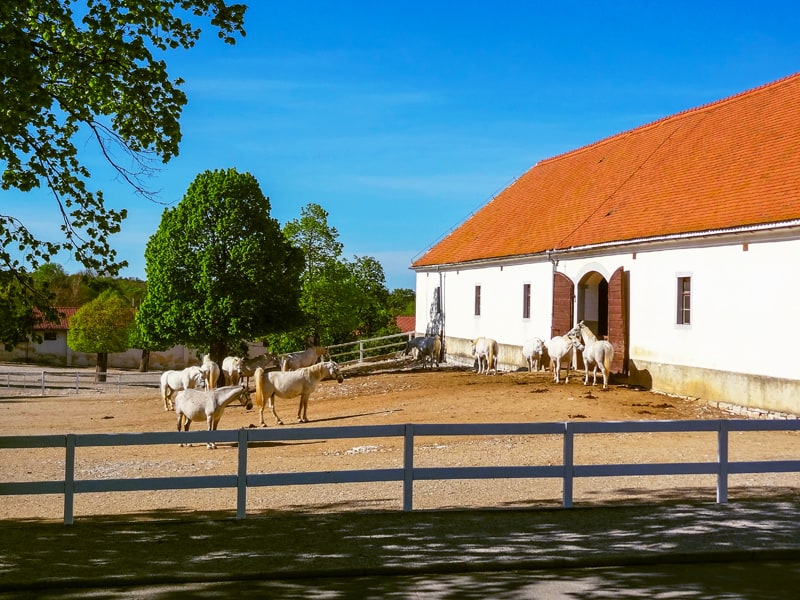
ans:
(567, 471)
(29, 381)
(362, 350)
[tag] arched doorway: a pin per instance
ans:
(593, 303)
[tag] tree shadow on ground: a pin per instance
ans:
(299, 551)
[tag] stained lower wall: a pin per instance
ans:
(768, 394)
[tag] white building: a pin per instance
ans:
(677, 241)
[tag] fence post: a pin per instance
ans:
(77, 383)
(23, 385)
(722, 460)
(69, 479)
(568, 461)
(241, 477)
(408, 468)
(360, 351)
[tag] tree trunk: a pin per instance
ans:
(218, 351)
(102, 367)
(144, 362)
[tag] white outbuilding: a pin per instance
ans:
(677, 241)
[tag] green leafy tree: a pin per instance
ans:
(340, 299)
(219, 270)
(101, 326)
(97, 72)
(402, 301)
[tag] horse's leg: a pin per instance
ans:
(272, 408)
(303, 408)
(211, 425)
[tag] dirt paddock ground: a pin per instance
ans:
(401, 394)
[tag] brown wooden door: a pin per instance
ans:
(563, 303)
(618, 320)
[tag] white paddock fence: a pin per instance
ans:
(408, 473)
(28, 381)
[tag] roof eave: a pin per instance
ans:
(759, 232)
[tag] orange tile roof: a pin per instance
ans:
(732, 163)
(406, 323)
(65, 314)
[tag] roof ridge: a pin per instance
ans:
(662, 120)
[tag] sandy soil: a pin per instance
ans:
(400, 394)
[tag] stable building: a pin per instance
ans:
(677, 241)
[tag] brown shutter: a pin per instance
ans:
(563, 303)
(618, 320)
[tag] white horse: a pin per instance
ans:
(248, 366)
(532, 351)
(424, 348)
(232, 369)
(172, 381)
(303, 358)
(288, 384)
(596, 353)
(210, 371)
(193, 404)
(485, 350)
(559, 348)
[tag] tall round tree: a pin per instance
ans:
(101, 326)
(219, 270)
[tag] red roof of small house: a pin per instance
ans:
(730, 164)
(61, 325)
(407, 324)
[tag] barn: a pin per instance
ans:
(677, 241)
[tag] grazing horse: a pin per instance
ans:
(532, 351)
(596, 353)
(210, 371)
(559, 348)
(232, 369)
(485, 349)
(172, 381)
(193, 404)
(428, 347)
(304, 358)
(288, 384)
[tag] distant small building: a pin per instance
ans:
(54, 351)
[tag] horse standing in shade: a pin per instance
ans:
(485, 350)
(192, 404)
(426, 348)
(288, 384)
(172, 381)
(265, 361)
(560, 348)
(303, 358)
(210, 371)
(596, 353)
(232, 369)
(532, 351)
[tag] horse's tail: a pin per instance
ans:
(608, 356)
(491, 352)
(258, 375)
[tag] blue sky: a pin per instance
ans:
(402, 118)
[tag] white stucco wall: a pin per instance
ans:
(743, 305)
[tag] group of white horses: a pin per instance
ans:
(287, 376)
(597, 354)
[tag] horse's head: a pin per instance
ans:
(333, 371)
(245, 398)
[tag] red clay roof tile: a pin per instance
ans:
(732, 163)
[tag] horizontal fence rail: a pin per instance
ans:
(363, 350)
(567, 471)
(30, 381)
